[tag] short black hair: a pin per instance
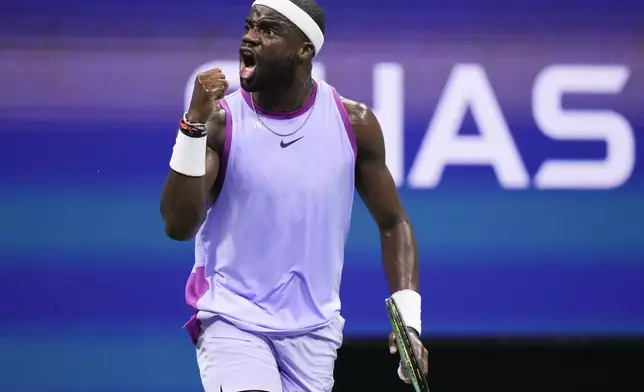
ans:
(314, 10)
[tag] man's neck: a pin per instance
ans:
(285, 100)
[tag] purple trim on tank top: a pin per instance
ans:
(196, 287)
(282, 116)
(347, 123)
(225, 154)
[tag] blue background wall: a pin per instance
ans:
(90, 95)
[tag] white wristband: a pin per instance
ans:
(408, 303)
(189, 155)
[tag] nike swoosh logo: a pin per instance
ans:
(284, 145)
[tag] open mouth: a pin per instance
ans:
(248, 63)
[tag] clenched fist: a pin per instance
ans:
(210, 87)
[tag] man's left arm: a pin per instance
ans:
(398, 245)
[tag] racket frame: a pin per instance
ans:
(403, 340)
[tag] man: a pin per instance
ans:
(264, 179)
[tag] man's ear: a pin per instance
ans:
(307, 51)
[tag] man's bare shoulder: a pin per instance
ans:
(366, 128)
(359, 113)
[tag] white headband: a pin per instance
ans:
(299, 18)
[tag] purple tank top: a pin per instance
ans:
(269, 256)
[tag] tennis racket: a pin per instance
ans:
(407, 356)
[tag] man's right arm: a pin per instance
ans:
(184, 198)
(195, 158)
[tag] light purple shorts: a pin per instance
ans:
(232, 360)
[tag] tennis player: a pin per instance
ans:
(264, 180)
